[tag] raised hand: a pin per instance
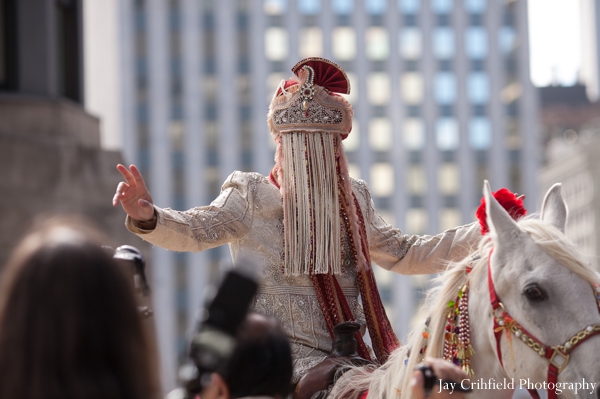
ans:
(133, 194)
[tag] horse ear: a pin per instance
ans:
(554, 208)
(502, 227)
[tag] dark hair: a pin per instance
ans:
(261, 363)
(69, 325)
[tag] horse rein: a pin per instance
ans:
(557, 356)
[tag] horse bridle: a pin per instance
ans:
(557, 356)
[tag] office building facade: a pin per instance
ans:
(442, 100)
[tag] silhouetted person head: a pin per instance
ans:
(69, 325)
(261, 363)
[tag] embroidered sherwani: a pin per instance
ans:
(248, 216)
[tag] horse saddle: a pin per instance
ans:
(318, 380)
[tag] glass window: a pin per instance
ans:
(343, 7)
(376, 7)
(309, 6)
(274, 7)
(480, 133)
(377, 43)
(441, 6)
(506, 39)
(382, 179)
(380, 134)
(478, 86)
(416, 221)
(443, 43)
(353, 96)
(448, 179)
(410, 43)
(445, 87)
(411, 86)
(475, 6)
(276, 44)
(378, 88)
(344, 43)
(353, 170)
(273, 81)
(416, 180)
(446, 132)
(409, 6)
(311, 42)
(414, 134)
(352, 142)
(476, 42)
(449, 218)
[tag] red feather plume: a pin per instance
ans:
(508, 200)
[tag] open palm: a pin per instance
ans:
(133, 194)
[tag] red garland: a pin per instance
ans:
(508, 200)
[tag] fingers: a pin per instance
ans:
(137, 176)
(127, 175)
(418, 385)
(121, 189)
(446, 370)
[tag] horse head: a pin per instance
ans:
(548, 303)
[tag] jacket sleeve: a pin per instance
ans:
(414, 254)
(226, 219)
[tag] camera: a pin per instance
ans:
(215, 339)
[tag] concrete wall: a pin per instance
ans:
(51, 162)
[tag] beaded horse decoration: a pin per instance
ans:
(523, 309)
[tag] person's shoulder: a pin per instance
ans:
(240, 178)
(360, 186)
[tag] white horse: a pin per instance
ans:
(544, 285)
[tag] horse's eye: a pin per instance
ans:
(534, 293)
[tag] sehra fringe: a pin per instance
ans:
(311, 214)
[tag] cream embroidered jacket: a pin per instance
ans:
(248, 216)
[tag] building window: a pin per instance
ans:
(480, 133)
(377, 43)
(445, 87)
(309, 7)
(414, 134)
(342, 7)
(344, 43)
(353, 96)
(416, 221)
(276, 44)
(446, 132)
(443, 43)
(380, 134)
(352, 142)
(441, 6)
(382, 179)
(475, 6)
(375, 7)
(476, 42)
(448, 179)
(449, 218)
(416, 180)
(410, 43)
(507, 39)
(311, 42)
(274, 7)
(409, 6)
(411, 86)
(378, 88)
(354, 170)
(478, 88)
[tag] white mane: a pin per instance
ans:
(390, 380)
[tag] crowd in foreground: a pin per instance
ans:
(71, 328)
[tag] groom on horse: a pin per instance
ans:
(311, 228)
